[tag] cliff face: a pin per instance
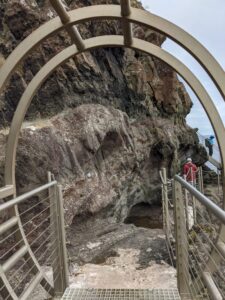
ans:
(132, 82)
(104, 123)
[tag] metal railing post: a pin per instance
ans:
(54, 236)
(60, 267)
(194, 209)
(181, 242)
(166, 202)
(200, 180)
(218, 180)
(186, 203)
(188, 196)
(62, 234)
(186, 209)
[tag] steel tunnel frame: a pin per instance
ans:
(112, 12)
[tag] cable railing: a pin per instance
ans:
(32, 244)
(200, 248)
(168, 215)
(195, 235)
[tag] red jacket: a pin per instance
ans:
(190, 170)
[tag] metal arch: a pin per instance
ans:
(65, 19)
(114, 41)
(97, 42)
(113, 12)
(137, 16)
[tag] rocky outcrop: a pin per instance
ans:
(120, 78)
(102, 157)
(103, 123)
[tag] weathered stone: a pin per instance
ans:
(102, 158)
(104, 124)
(128, 80)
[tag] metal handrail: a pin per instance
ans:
(27, 231)
(23, 197)
(215, 209)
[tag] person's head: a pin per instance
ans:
(189, 160)
(212, 137)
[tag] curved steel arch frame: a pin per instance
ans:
(107, 41)
(113, 41)
(137, 16)
(113, 12)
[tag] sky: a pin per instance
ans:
(205, 20)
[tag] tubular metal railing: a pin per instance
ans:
(168, 215)
(32, 244)
(32, 225)
(196, 239)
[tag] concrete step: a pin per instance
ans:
(119, 294)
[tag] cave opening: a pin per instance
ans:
(145, 215)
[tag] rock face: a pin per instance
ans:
(102, 157)
(132, 82)
(112, 118)
(104, 124)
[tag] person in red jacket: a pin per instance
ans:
(190, 171)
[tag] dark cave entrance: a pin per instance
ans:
(145, 215)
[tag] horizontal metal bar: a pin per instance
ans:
(72, 30)
(6, 191)
(37, 279)
(215, 209)
(14, 259)
(221, 248)
(211, 287)
(23, 197)
(125, 8)
(60, 10)
(8, 224)
(127, 32)
(76, 37)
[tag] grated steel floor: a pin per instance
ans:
(121, 294)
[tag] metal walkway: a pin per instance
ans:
(119, 294)
(31, 240)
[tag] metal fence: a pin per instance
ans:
(195, 234)
(32, 244)
(168, 215)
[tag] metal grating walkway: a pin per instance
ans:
(120, 294)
